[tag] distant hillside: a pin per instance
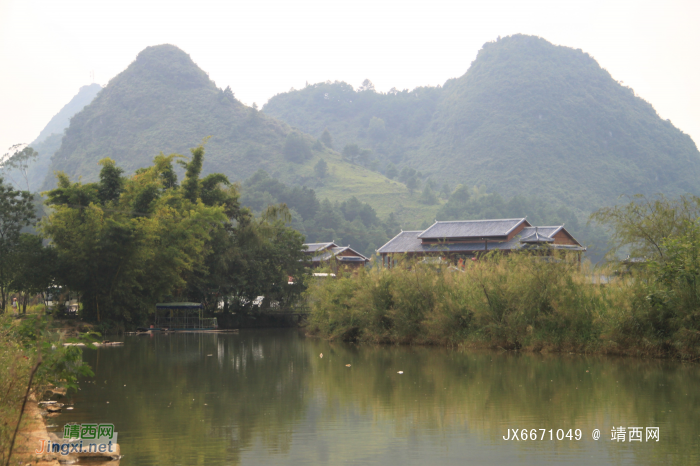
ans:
(49, 140)
(61, 120)
(164, 102)
(528, 118)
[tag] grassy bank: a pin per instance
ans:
(32, 359)
(510, 302)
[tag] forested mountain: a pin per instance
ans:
(527, 118)
(49, 140)
(530, 129)
(163, 102)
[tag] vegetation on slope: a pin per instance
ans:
(528, 117)
(163, 101)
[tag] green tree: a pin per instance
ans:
(428, 197)
(296, 148)
(326, 139)
(407, 173)
(193, 168)
(377, 128)
(412, 184)
(445, 191)
(111, 181)
(366, 86)
(351, 151)
(16, 212)
(391, 172)
(20, 160)
(642, 225)
(142, 248)
(33, 268)
(321, 169)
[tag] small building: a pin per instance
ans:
(323, 252)
(181, 316)
(467, 239)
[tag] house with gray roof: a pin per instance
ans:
(464, 239)
(344, 255)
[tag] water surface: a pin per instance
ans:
(267, 397)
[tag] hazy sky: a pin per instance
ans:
(49, 48)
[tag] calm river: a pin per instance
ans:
(268, 397)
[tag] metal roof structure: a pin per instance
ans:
(472, 228)
(179, 306)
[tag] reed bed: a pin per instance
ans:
(513, 302)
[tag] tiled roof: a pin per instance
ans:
(538, 234)
(406, 241)
(313, 247)
(472, 228)
(334, 251)
(410, 242)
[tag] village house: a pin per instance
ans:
(321, 253)
(467, 239)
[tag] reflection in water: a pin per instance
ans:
(267, 397)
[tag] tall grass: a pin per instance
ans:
(512, 302)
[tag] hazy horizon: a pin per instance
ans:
(267, 47)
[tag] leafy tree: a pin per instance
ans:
(20, 160)
(326, 139)
(445, 191)
(366, 86)
(351, 151)
(122, 260)
(412, 184)
(391, 172)
(392, 226)
(193, 168)
(111, 181)
(377, 128)
(364, 156)
(642, 225)
(296, 148)
(321, 169)
(407, 173)
(428, 197)
(16, 212)
(34, 268)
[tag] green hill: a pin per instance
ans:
(528, 118)
(164, 102)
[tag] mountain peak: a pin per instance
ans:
(166, 64)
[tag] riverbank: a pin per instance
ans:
(30, 436)
(513, 302)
